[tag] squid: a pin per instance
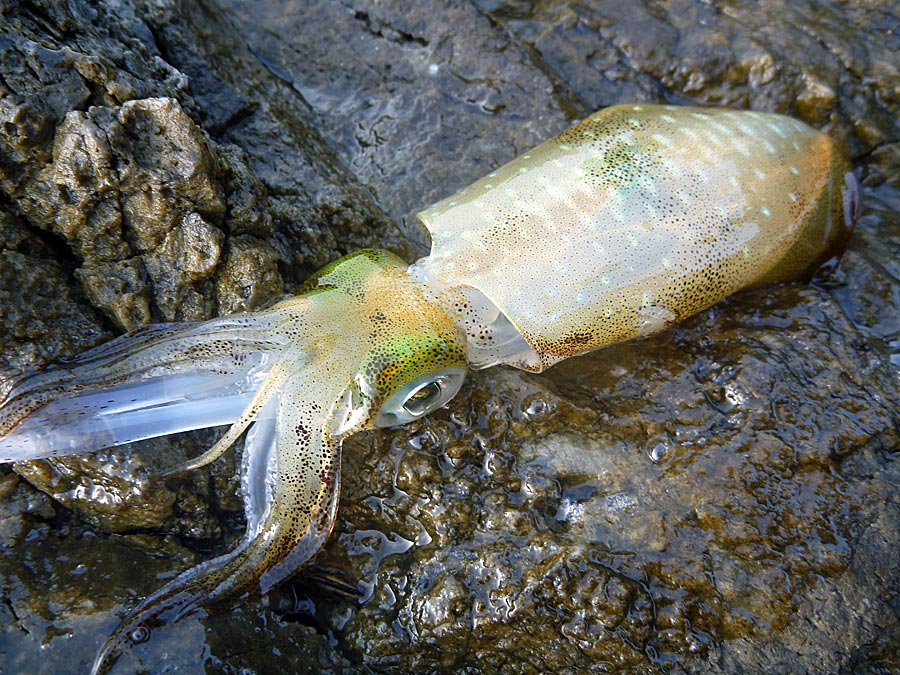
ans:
(625, 223)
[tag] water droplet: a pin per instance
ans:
(659, 452)
(139, 635)
(536, 408)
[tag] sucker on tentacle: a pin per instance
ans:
(635, 218)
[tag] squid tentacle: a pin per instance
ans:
(151, 382)
(274, 381)
(290, 514)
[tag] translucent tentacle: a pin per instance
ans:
(259, 467)
(290, 504)
(154, 381)
(362, 347)
(251, 413)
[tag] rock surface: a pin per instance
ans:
(718, 499)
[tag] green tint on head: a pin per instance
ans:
(415, 375)
(417, 359)
(408, 357)
(349, 273)
(403, 357)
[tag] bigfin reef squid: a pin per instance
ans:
(622, 225)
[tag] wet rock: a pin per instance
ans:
(131, 190)
(439, 99)
(43, 316)
(801, 59)
(715, 500)
(319, 208)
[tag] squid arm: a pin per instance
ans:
(291, 470)
(362, 347)
(158, 380)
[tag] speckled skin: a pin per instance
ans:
(627, 222)
(638, 217)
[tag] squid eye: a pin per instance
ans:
(420, 397)
(424, 399)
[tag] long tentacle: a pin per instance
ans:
(151, 382)
(252, 413)
(289, 515)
